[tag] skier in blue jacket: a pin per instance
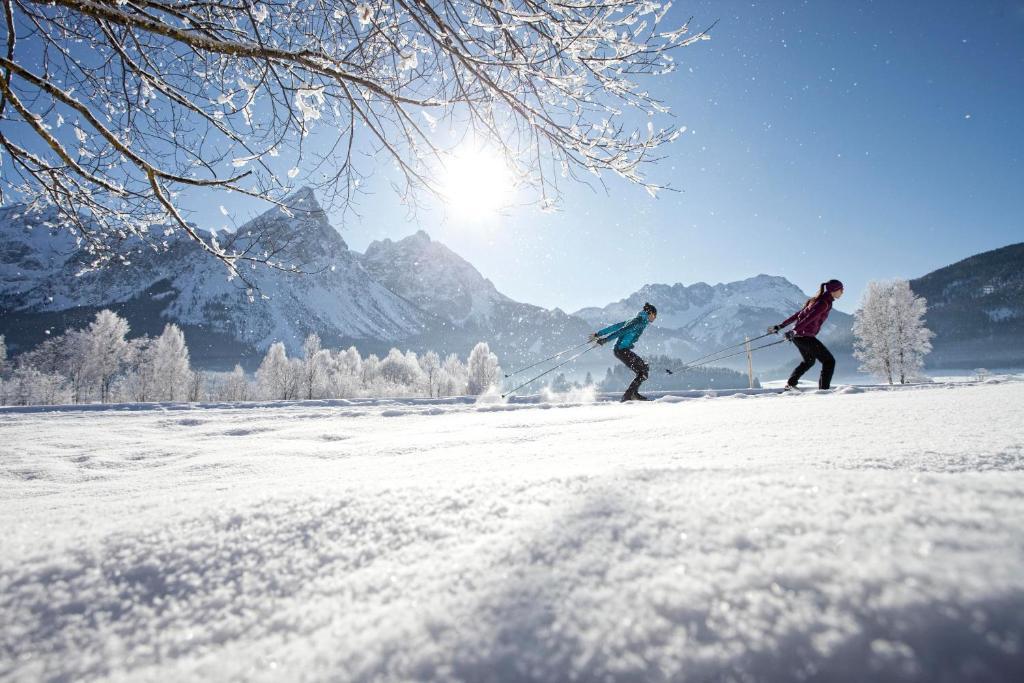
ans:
(627, 333)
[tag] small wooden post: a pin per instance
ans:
(750, 363)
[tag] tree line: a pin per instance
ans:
(100, 363)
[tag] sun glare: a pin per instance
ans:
(477, 183)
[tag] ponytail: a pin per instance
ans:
(821, 293)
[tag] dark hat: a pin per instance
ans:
(649, 308)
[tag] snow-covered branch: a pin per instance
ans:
(109, 110)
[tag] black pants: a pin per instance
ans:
(811, 349)
(637, 365)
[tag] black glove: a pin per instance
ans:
(601, 342)
(789, 335)
(774, 329)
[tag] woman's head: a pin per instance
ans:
(833, 287)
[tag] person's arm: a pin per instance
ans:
(802, 313)
(611, 328)
(616, 330)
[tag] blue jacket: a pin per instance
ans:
(627, 332)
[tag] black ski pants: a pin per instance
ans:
(811, 349)
(637, 365)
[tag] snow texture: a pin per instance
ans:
(858, 534)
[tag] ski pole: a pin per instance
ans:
(567, 360)
(560, 353)
(687, 366)
(727, 348)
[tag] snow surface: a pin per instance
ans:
(858, 534)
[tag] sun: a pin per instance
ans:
(476, 183)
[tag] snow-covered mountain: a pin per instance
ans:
(699, 318)
(41, 284)
(414, 293)
(435, 278)
(470, 308)
(418, 294)
(976, 309)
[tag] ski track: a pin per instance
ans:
(859, 534)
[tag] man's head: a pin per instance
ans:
(651, 312)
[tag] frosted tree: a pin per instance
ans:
(890, 337)
(370, 370)
(64, 355)
(107, 351)
(276, 376)
(170, 358)
(110, 110)
(236, 386)
(430, 364)
(589, 381)
(196, 386)
(315, 365)
(3, 355)
(454, 377)
(400, 373)
(346, 373)
(417, 381)
(30, 386)
(350, 362)
(482, 368)
(872, 326)
(913, 338)
(141, 381)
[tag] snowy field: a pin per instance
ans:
(845, 536)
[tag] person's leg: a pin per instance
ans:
(642, 371)
(634, 363)
(807, 354)
(828, 363)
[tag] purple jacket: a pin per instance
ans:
(810, 318)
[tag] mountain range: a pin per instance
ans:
(976, 309)
(416, 293)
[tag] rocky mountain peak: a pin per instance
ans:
(433, 277)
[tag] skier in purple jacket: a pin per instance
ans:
(809, 320)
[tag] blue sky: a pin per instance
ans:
(855, 140)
